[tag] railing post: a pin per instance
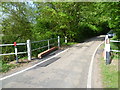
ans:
(107, 50)
(65, 39)
(105, 47)
(29, 49)
(16, 51)
(16, 54)
(48, 44)
(58, 41)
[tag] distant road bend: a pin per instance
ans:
(70, 69)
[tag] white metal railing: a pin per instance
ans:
(107, 49)
(29, 50)
(12, 53)
(39, 48)
(115, 50)
(38, 41)
(1, 45)
(114, 41)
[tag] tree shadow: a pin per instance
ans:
(111, 57)
(46, 63)
(97, 38)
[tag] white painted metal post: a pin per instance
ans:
(16, 54)
(48, 44)
(106, 37)
(29, 49)
(58, 41)
(15, 45)
(107, 47)
(65, 39)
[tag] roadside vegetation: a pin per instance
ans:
(37, 21)
(6, 67)
(110, 73)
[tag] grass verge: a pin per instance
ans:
(6, 67)
(110, 73)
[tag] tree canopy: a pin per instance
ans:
(77, 20)
(41, 20)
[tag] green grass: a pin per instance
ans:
(24, 57)
(69, 43)
(110, 73)
(6, 67)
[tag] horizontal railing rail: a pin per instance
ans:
(12, 44)
(43, 40)
(115, 50)
(38, 41)
(39, 48)
(43, 47)
(114, 41)
(12, 53)
(7, 54)
(53, 44)
(6, 45)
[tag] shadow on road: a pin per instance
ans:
(98, 38)
(48, 62)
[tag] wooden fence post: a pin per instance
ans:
(58, 41)
(29, 49)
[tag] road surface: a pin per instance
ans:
(67, 70)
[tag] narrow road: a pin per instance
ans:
(69, 69)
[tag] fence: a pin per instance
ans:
(108, 49)
(29, 48)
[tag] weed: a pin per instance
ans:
(7, 67)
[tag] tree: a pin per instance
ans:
(16, 22)
(16, 26)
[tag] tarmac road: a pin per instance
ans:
(67, 70)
